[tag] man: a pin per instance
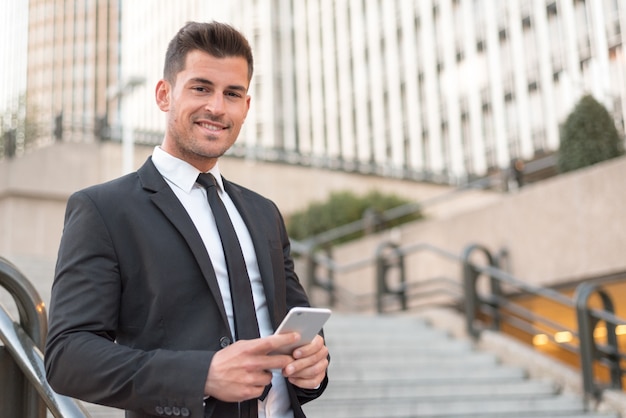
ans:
(142, 314)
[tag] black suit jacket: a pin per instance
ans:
(136, 314)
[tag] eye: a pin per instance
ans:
(233, 94)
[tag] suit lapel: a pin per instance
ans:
(167, 202)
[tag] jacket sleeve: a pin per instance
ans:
(82, 357)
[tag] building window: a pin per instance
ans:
(551, 9)
(502, 35)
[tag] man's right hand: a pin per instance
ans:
(242, 370)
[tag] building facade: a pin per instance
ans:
(440, 90)
(427, 90)
(73, 58)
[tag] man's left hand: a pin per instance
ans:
(308, 369)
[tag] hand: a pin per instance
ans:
(242, 370)
(309, 366)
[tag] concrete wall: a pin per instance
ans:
(569, 226)
(562, 229)
(34, 189)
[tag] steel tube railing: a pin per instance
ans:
(29, 359)
(495, 304)
(31, 309)
(24, 341)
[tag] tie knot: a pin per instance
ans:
(206, 180)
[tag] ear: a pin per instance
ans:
(248, 98)
(162, 95)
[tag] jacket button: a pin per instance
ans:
(159, 410)
(224, 342)
(184, 412)
(176, 411)
(167, 410)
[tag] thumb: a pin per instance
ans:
(273, 342)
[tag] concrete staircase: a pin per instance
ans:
(400, 366)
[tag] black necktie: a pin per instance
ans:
(246, 326)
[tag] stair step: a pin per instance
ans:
(432, 374)
(565, 406)
(391, 347)
(426, 391)
(402, 325)
(400, 366)
(462, 359)
(368, 321)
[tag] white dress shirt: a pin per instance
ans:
(181, 177)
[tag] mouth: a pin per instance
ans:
(211, 126)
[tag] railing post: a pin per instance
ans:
(311, 274)
(330, 284)
(383, 265)
(309, 261)
(586, 326)
(472, 299)
(380, 279)
(23, 382)
(470, 276)
(33, 319)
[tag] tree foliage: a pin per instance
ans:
(343, 208)
(588, 136)
(17, 129)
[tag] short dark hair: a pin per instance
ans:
(217, 39)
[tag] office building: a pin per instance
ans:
(427, 90)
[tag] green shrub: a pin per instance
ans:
(588, 136)
(343, 208)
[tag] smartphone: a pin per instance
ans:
(307, 322)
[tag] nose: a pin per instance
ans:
(215, 104)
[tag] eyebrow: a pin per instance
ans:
(210, 83)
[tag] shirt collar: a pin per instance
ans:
(180, 173)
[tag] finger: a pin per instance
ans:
(262, 379)
(277, 362)
(260, 355)
(305, 383)
(303, 366)
(311, 377)
(309, 349)
(272, 343)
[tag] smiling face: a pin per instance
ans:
(206, 106)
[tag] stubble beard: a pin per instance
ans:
(201, 148)
(192, 147)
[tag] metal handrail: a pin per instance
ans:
(388, 258)
(590, 351)
(30, 307)
(25, 342)
(608, 354)
(493, 307)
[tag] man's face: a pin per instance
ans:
(206, 107)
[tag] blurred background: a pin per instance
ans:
(453, 105)
(445, 91)
(498, 122)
